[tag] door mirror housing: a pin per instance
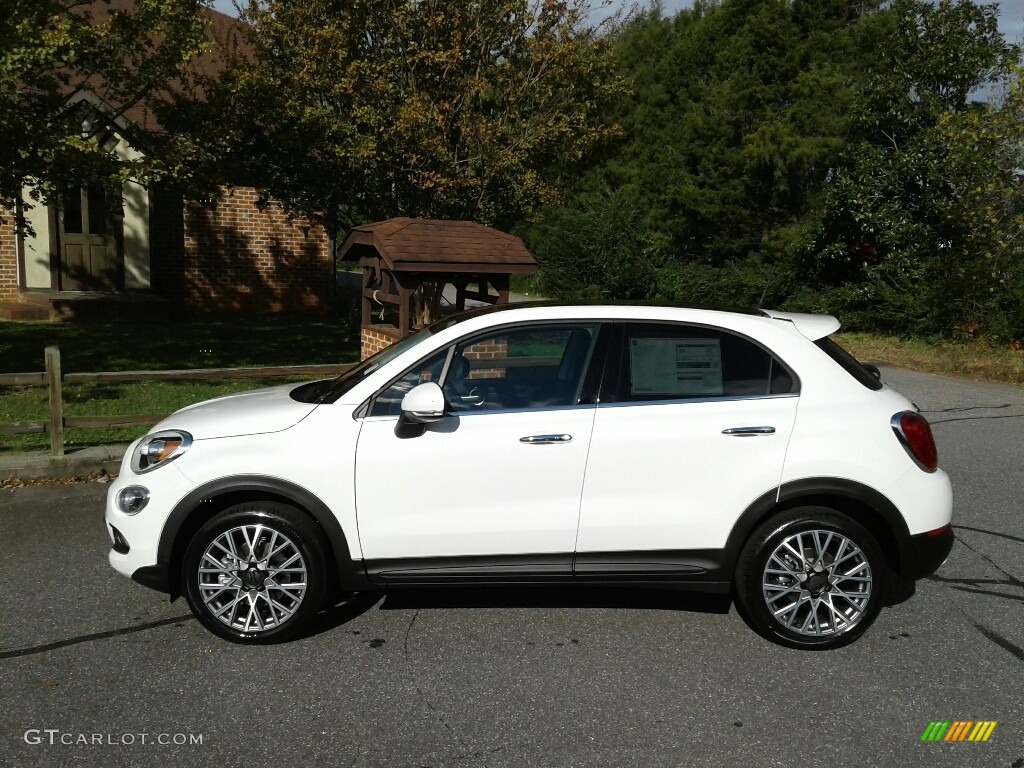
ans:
(423, 404)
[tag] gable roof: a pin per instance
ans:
(224, 34)
(437, 245)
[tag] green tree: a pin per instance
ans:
(739, 110)
(917, 229)
(600, 248)
(365, 109)
(49, 49)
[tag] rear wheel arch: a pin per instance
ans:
(859, 502)
(199, 506)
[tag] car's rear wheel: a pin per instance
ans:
(810, 578)
(255, 572)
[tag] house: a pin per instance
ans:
(234, 252)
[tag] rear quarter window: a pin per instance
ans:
(848, 363)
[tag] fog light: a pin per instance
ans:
(133, 499)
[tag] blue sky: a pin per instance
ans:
(1011, 13)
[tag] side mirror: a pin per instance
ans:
(873, 370)
(423, 404)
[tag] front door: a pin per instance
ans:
(89, 253)
(494, 485)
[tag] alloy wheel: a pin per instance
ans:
(252, 578)
(817, 583)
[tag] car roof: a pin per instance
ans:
(812, 326)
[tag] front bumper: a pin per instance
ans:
(923, 554)
(153, 576)
(135, 544)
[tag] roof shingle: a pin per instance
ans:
(437, 245)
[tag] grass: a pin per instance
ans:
(238, 340)
(210, 342)
(973, 360)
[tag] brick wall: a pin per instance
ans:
(241, 254)
(8, 253)
(374, 338)
(491, 349)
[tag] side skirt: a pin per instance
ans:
(695, 570)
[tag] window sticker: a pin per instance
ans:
(676, 366)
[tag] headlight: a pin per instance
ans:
(158, 449)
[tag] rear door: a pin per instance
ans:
(692, 426)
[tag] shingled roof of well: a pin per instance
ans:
(437, 245)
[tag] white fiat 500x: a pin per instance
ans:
(731, 453)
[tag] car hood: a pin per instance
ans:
(246, 413)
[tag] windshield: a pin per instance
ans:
(353, 376)
(328, 391)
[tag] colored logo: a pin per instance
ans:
(958, 730)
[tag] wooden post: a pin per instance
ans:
(56, 426)
(404, 311)
(501, 283)
(460, 296)
(364, 300)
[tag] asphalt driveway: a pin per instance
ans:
(96, 670)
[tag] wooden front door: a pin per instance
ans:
(90, 257)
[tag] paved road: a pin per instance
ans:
(524, 678)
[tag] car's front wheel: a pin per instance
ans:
(810, 578)
(255, 572)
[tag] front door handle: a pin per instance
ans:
(474, 397)
(545, 439)
(748, 431)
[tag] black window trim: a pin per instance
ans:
(854, 367)
(697, 400)
(612, 378)
(366, 408)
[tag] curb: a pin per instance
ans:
(39, 465)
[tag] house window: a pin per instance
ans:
(96, 205)
(85, 211)
(73, 212)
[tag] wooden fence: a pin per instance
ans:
(53, 378)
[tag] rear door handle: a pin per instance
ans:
(748, 431)
(545, 439)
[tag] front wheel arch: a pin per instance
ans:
(257, 572)
(196, 508)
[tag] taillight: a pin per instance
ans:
(915, 434)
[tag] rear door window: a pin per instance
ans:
(668, 361)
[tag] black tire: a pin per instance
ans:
(804, 601)
(278, 596)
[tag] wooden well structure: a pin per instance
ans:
(406, 264)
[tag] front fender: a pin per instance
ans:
(188, 515)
